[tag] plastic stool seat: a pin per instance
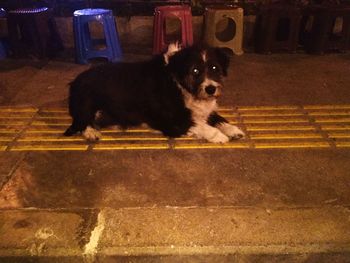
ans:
(29, 10)
(233, 35)
(92, 12)
(84, 44)
(183, 13)
(33, 31)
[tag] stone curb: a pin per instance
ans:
(174, 231)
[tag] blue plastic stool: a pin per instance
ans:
(84, 44)
(2, 12)
(3, 53)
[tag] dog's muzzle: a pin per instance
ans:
(209, 89)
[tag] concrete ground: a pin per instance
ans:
(279, 199)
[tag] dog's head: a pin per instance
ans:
(199, 70)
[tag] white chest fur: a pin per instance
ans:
(201, 109)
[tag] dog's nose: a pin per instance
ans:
(210, 90)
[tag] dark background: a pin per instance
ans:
(122, 7)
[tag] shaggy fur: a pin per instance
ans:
(175, 93)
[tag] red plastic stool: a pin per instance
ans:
(183, 13)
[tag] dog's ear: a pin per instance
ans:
(177, 62)
(223, 59)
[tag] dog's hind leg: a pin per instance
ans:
(73, 129)
(83, 114)
(222, 124)
(86, 128)
(77, 126)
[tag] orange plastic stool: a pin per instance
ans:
(183, 13)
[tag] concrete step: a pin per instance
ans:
(176, 234)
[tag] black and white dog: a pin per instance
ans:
(174, 93)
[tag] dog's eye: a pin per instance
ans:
(195, 71)
(214, 68)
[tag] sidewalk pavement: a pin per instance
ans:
(194, 204)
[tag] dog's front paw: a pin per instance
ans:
(219, 137)
(91, 134)
(209, 133)
(231, 131)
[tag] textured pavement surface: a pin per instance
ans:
(310, 126)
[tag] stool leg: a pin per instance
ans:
(40, 35)
(155, 32)
(302, 32)
(294, 34)
(271, 32)
(162, 33)
(319, 34)
(86, 36)
(188, 28)
(183, 30)
(237, 41)
(346, 31)
(13, 26)
(158, 33)
(241, 33)
(209, 27)
(265, 32)
(78, 39)
(55, 41)
(2, 50)
(343, 44)
(112, 39)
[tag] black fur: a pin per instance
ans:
(215, 119)
(145, 92)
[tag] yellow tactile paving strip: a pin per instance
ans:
(290, 126)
